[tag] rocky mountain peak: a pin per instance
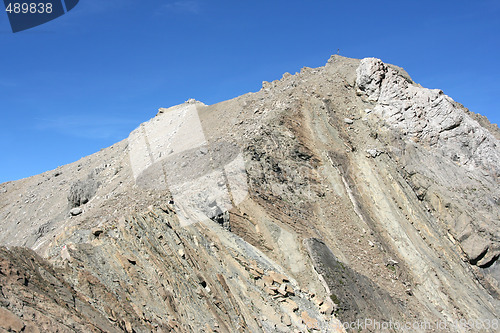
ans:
(345, 193)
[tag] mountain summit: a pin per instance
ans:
(342, 197)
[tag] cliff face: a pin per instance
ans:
(340, 193)
(457, 178)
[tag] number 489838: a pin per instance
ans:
(32, 8)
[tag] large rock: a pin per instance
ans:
(428, 115)
(75, 211)
(83, 190)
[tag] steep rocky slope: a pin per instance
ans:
(341, 193)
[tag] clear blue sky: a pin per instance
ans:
(85, 80)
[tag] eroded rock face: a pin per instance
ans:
(458, 168)
(35, 297)
(339, 193)
(150, 274)
(428, 116)
(352, 292)
(83, 190)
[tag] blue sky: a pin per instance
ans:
(85, 80)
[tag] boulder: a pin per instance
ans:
(76, 211)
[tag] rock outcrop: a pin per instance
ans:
(456, 172)
(428, 116)
(339, 195)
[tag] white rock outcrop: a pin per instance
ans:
(428, 116)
